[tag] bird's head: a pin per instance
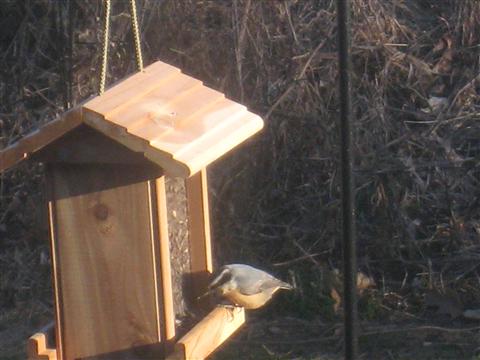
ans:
(223, 282)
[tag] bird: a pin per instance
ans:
(245, 286)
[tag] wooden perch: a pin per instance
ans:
(37, 345)
(209, 333)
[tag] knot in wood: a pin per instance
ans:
(101, 212)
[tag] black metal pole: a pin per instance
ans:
(348, 196)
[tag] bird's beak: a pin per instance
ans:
(204, 294)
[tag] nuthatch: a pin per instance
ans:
(245, 286)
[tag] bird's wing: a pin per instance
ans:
(261, 281)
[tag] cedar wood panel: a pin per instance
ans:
(104, 259)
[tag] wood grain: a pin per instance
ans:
(157, 103)
(210, 146)
(209, 333)
(199, 231)
(165, 265)
(105, 266)
(123, 94)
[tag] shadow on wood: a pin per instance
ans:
(142, 352)
(195, 285)
(86, 145)
(100, 177)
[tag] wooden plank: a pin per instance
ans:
(137, 144)
(182, 124)
(49, 180)
(131, 89)
(166, 272)
(155, 251)
(86, 145)
(159, 101)
(219, 115)
(37, 348)
(104, 258)
(39, 139)
(208, 148)
(209, 333)
(199, 232)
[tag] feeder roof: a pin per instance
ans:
(173, 119)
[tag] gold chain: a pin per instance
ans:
(106, 30)
(105, 41)
(136, 35)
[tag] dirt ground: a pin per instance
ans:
(299, 339)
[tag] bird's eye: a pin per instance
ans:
(225, 278)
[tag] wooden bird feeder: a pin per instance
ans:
(108, 164)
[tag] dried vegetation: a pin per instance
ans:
(276, 201)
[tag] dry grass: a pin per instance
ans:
(276, 200)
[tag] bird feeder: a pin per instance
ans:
(108, 166)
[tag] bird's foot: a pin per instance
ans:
(231, 310)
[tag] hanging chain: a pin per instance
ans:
(105, 40)
(136, 35)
